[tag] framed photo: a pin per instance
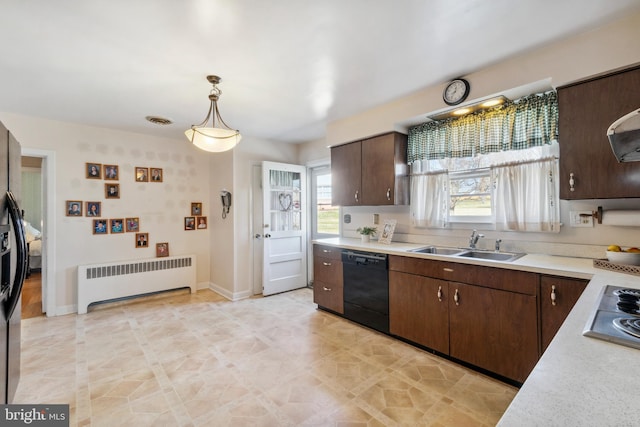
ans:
(74, 208)
(162, 249)
(132, 225)
(202, 223)
(112, 191)
(196, 209)
(94, 170)
(142, 240)
(387, 231)
(156, 175)
(94, 209)
(100, 226)
(111, 172)
(142, 174)
(116, 225)
(189, 223)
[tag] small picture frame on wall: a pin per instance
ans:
(142, 174)
(202, 223)
(116, 225)
(142, 240)
(112, 191)
(111, 172)
(94, 209)
(196, 209)
(162, 249)
(100, 226)
(387, 231)
(74, 208)
(94, 170)
(156, 175)
(189, 223)
(132, 225)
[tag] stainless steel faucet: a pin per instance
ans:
(498, 241)
(473, 240)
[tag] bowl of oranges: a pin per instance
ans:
(629, 256)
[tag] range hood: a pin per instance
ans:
(624, 137)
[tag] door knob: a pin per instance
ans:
(258, 236)
(266, 236)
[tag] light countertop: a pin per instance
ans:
(579, 380)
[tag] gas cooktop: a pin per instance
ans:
(616, 318)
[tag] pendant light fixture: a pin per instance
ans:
(219, 137)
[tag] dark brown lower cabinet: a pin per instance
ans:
(493, 329)
(558, 295)
(419, 310)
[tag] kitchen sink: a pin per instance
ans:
(495, 256)
(437, 250)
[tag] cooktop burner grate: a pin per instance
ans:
(628, 325)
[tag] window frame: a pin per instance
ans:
(485, 221)
(314, 172)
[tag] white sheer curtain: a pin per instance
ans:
(429, 198)
(526, 196)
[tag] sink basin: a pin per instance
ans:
(437, 250)
(495, 256)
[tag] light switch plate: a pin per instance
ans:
(581, 218)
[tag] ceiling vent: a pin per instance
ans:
(158, 120)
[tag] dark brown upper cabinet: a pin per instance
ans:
(588, 167)
(370, 172)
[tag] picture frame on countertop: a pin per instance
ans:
(111, 172)
(162, 249)
(132, 224)
(94, 170)
(94, 209)
(74, 208)
(387, 231)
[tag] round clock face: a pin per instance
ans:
(456, 92)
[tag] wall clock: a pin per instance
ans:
(456, 91)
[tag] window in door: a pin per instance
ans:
(325, 217)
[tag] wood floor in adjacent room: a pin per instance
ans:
(185, 359)
(32, 296)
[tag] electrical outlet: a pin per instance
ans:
(376, 219)
(581, 218)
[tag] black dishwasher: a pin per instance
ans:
(366, 289)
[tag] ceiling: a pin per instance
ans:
(288, 67)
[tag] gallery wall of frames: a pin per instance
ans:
(102, 224)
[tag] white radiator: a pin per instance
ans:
(104, 282)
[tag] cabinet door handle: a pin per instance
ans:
(327, 264)
(572, 182)
(326, 251)
(456, 298)
(388, 194)
(324, 288)
(356, 196)
(448, 270)
(439, 293)
(553, 294)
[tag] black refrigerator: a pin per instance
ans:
(13, 264)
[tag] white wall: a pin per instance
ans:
(161, 207)
(610, 47)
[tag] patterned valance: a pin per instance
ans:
(528, 122)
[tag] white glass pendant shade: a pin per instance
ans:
(215, 140)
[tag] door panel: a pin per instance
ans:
(284, 214)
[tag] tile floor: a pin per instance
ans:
(200, 360)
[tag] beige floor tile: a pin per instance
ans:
(179, 359)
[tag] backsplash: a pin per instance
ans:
(570, 241)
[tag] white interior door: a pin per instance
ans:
(284, 216)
